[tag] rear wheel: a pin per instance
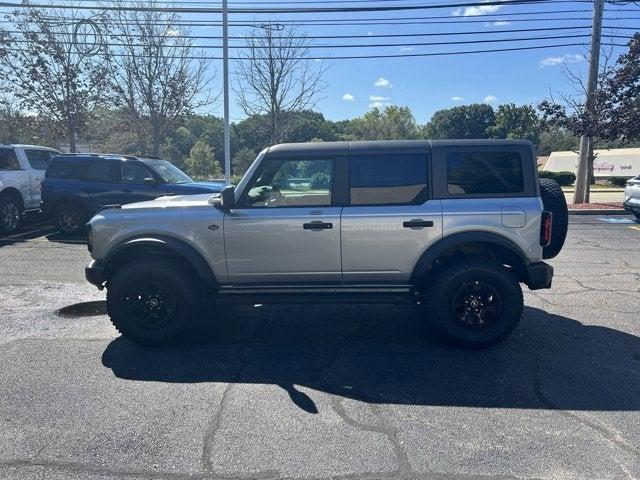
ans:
(554, 202)
(69, 218)
(476, 302)
(637, 215)
(10, 214)
(153, 301)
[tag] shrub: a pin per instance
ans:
(565, 179)
(320, 180)
(618, 181)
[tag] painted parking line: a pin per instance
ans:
(615, 220)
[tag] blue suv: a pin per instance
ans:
(76, 186)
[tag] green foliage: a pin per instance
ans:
(392, 123)
(242, 160)
(556, 139)
(565, 179)
(516, 122)
(618, 181)
(320, 181)
(465, 121)
(202, 164)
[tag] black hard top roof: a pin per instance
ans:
(384, 146)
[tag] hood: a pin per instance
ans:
(196, 187)
(202, 200)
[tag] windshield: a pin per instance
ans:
(169, 172)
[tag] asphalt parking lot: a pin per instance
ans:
(352, 392)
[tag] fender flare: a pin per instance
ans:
(434, 251)
(187, 252)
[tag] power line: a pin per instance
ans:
(335, 37)
(379, 56)
(286, 10)
(379, 45)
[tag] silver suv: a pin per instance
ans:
(453, 225)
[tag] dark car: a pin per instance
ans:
(77, 186)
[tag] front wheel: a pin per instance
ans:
(475, 302)
(10, 215)
(153, 301)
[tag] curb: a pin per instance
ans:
(596, 211)
(600, 190)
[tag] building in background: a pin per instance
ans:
(616, 162)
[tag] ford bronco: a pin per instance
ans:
(454, 225)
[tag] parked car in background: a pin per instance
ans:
(76, 186)
(632, 196)
(22, 169)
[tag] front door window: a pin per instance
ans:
(291, 183)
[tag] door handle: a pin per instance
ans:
(317, 225)
(417, 223)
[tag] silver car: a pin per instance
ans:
(632, 196)
(454, 225)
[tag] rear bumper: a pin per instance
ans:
(539, 275)
(95, 274)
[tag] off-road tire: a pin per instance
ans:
(637, 215)
(464, 273)
(554, 202)
(12, 206)
(73, 209)
(186, 292)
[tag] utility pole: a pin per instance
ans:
(225, 74)
(581, 194)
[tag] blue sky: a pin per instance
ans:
(427, 84)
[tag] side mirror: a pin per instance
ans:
(150, 182)
(227, 198)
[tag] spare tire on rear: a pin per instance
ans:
(554, 202)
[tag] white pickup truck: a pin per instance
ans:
(22, 169)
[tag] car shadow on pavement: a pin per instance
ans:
(385, 355)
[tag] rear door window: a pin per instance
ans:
(39, 159)
(8, 159)
(484, 172)
(94, 171)
(388, 179)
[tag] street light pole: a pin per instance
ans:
(225, 74)
(581, 194)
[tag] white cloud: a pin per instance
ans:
(407, 49)
(499, 23)
(347, 97)
(382, 83)
(378, 98)
(567, 58)
(490, 99)
(478, 10)
(457, 99)
(379, 104)
(370, 34)
(172, 33)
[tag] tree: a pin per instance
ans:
(465, 121)
(202, 164)
(275, 77)
(154, 75)
(554, 139)
(614, 116)
(242, 160)
(392, 123)
(51, 73)
(516, 122)
(621, 96)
